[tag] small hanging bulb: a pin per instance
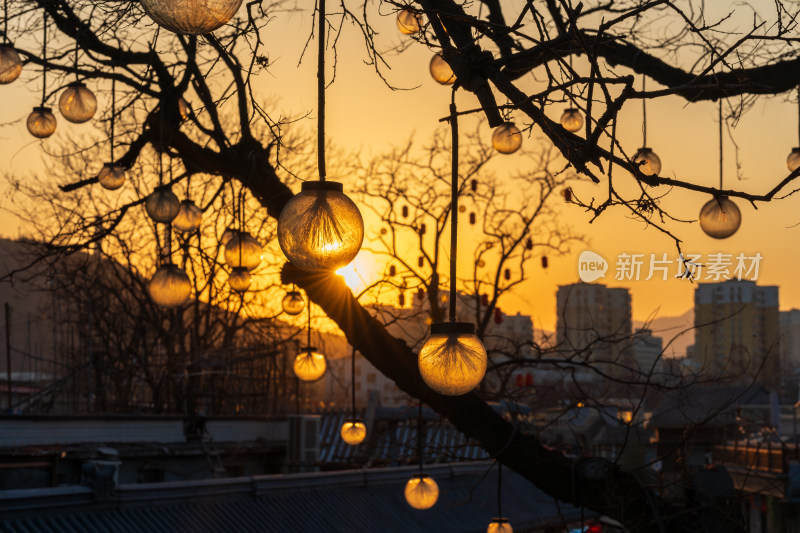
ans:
(423, 228)
(392, 270)
(529, 244)
(401, 299)
(462, 208)
(309, 365)
(41, 122)
(498, 316)
(472, 218)
(10, 64)
(441, 71)
(507, 274)
(170, 286)
(409, 22)
(507, 138)
(572, 119)
(544, 261)
(499, 525)
(162, 205)
(452, 361)
(353, 431)
(293, 303)
(648, 162)
(720, 218)
(473, 185)
(189, 217)
(421, 293)
(320, 227)
(421, 492)
(77, 103)
(240, 279)
(566, 193)
(421, 262)
(793, 161)
(484, 299)
(404, 211)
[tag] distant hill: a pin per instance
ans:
(670, 328)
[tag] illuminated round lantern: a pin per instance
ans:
(162, 205)
(10, 64)
(421, 492)
(647, 161)
(506, 138)
(293, 303)
(240, 279)
(77, 103)
(111, 176)
(499, 525)
(353, 431)
(408, 22)
(169, 286)
(309, 365)
(720, 218)
(191, 17)
(453, 360)
(441, 71)
(793, 161)
(189, 217)
(320, 228)
(41, 122)
(572, 119)
(243, 250)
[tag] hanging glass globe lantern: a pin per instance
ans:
(441, 71)
(720, 218)
(309, 365)
(111, 176)
(499, 525)
(189, 217)
(793, 161)
(10, 64)
(191, 17)
(320, 228)
(453, 360)
(408, 22)
(169, 286)
(572, 119)
(41, 122)
(421, 492)
(162, 205)
(648, 162)
(506, 138)
(353, 431)
(77, 103)
(243, 250)
(293, 303)
(240, 279)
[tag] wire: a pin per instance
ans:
(644, 114)
(353, 380)
(453, 207)
(419, 436)
(113, 113)
(720, 143)
(499, 489)
(321, 93)
(44, 59)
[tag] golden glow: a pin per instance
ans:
(353, 432)
(41, 122)
(647, 160)
(572, 119)
(77, 103)
(507, 138)
(421, 492)
(243, 250)
(10, 64)
(309, 365)
(441, 71)
(720, 218)
(169, 286)
(191, 17)
(452, 364)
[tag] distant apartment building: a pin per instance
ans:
(737, 332)
(594, 322)
(790, 340)
(647, 352)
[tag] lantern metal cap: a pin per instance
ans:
(500, 520)
(76, 84)
(42, 109)
(322, 186)
(352, 420)
(420, 476)
(453, 328)
(308, 349)
(645, 149)
(567, 110)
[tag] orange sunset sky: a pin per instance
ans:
(364, 115)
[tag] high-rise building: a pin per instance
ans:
(790, 340)
(594, 322)
(647, 352)
(737, 332)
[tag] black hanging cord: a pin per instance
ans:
(499, 489)
(113, 114)
(321, 93)
(5, 22)
(453, 207)
(353, 380)
(644, 114)
(720, 143)
(309, 323)
(798, 114)
(419, 436)
(44, 59)
(77, 78)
